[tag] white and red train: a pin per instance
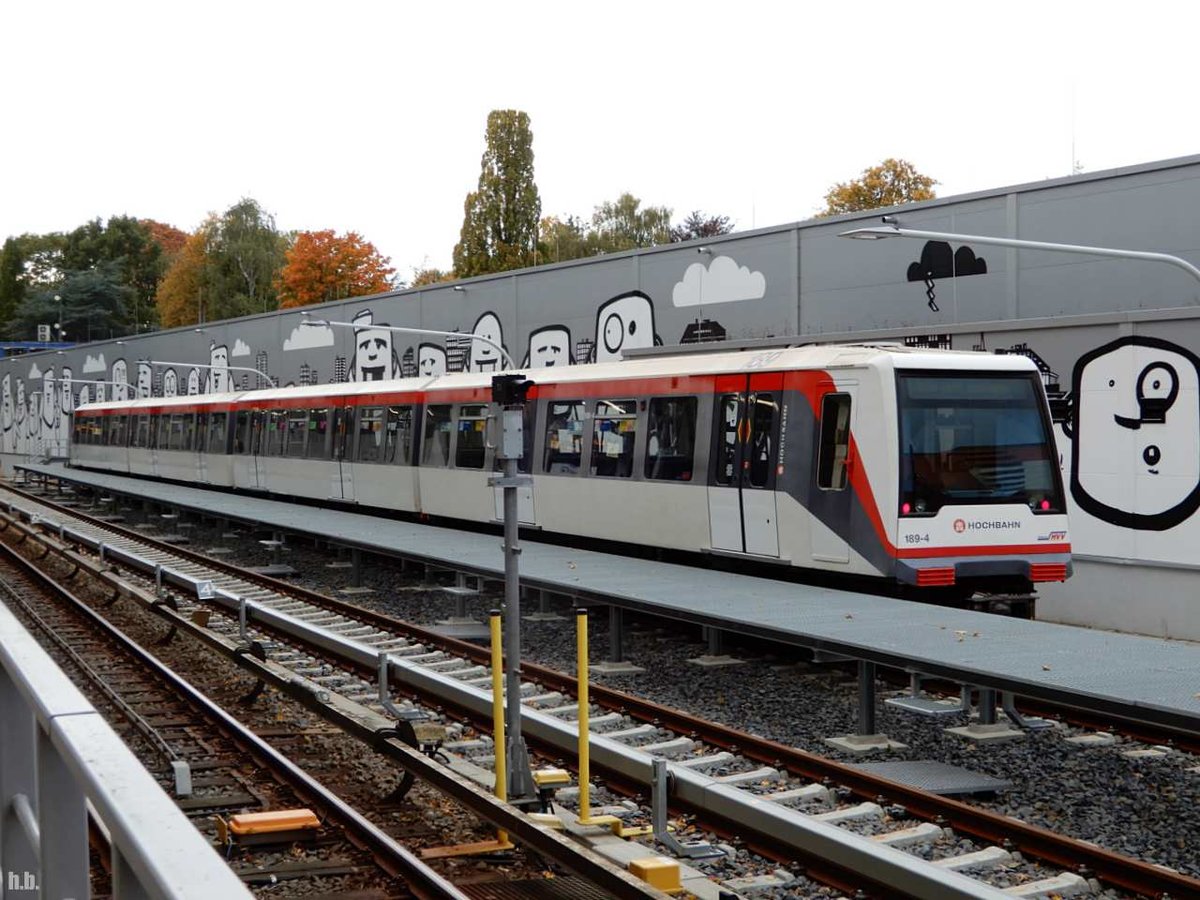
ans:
(924, 467)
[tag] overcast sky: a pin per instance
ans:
(370, 116)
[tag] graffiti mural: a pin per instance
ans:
(1135, 431)
(939, 261)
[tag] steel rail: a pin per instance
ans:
(394, 858)
(1137, 876)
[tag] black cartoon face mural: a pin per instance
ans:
(1136, 433)
(938, 261)
(549, 346)
(626, 322)
(219, 381)
(374, 357)
(431, 360)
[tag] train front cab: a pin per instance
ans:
(981, 500)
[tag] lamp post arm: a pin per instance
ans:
(403, 330)
(888, 231)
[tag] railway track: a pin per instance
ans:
(214, 765)
(799, 786)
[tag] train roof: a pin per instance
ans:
(811, 356)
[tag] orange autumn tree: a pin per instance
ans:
(323, 266)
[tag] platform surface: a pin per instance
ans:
(1146, 678)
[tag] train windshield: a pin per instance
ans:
(975, 439)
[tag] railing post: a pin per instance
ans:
(62, 815)
(18, 775)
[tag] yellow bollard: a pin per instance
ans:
(581, 657)
(498, 713)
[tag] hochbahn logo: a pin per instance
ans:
(961, 525)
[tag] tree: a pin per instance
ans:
(561, 239)
(181, 293)
(94, 304)
(169, 239)
(623, 225)
(128, 244)
(892, 182)
(245, 253)
(500, 218)
(698, 226)
(322, 266)
(428, 276)
(12, 285)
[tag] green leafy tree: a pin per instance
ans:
(891, 183)
(94, 304)
(698, 226)
(500, 218)
(129, 244)
(624, 225)
(245, 253)
(12, 285)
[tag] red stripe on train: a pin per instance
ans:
(998, 550)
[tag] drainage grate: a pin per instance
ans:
(936, 777)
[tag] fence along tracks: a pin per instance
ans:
(387, 633)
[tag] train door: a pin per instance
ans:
(343, 448)
(259, 420)
(741, 492)
(200, 446)
(831, 481)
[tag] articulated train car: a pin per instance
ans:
(934, 469)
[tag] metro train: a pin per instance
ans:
(927, 468)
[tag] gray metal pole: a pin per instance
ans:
(509, 392)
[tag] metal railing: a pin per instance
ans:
(58, 758)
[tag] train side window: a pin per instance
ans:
(564, 436)
(297, 428)
(216, 432)
(141, 433)
(398, 448)
(199, 431)
(163, 441)
(671, 444)
(435, 447)
(370, 434)
(759, 445)
(835, 442)
(613, 438)
(318, 432)
(472, 429)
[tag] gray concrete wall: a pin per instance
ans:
(800, 280)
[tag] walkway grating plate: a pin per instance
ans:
(936, 777)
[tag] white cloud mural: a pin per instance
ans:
(309, 337)
(94, 364)
(240, 348)
(721, 281)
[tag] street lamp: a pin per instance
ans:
(893, 229)
(162, 362)
(397, 328)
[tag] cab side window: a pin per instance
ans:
(835, 442)
(435, 446)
